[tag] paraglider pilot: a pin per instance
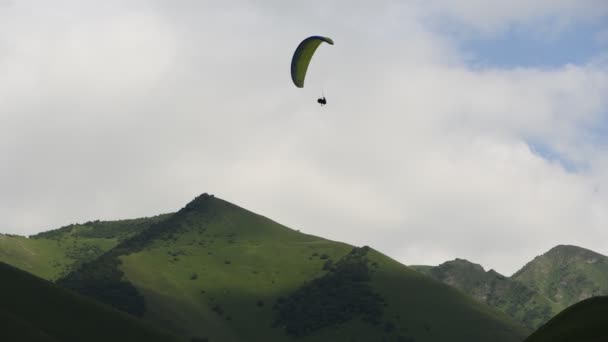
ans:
(322, 101)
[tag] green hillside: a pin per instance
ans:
(586, 321)
(509, 296)
(35, 310)
(53, 254)
(216, 271)
(566, 275)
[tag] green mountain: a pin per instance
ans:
(566, 275)
(563, 276)
(586, 321)
(35, 310)
(214, 271)
(53, 254)
(509, 296)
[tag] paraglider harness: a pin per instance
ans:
(321, 100)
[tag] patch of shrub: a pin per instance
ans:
(102, 280)
(176, 253)
(334, 298)
(327, 265)
(217, 309)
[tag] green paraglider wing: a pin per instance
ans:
(302, 55)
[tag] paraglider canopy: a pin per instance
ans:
(302, 56)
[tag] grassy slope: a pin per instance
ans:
(586, 321)
(509, 296)
(52, 254)
(35, 310)
(215, 254)
(566, 275)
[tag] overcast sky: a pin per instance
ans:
(453, 128)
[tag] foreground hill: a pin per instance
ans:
(586, 321)
(214, 271)
(35, 310)
(511, 297)
(566, 275)
(53, 254)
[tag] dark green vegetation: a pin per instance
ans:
(53, 254)
(337, 297)
(214, 271)
(586, 321)
(563, 276)
(118, 230)
(513, 298)
(35, 310)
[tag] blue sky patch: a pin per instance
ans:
(546, 152)
(523, 48)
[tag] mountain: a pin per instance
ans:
(214, 271)
(561, 277)
(35, 310)
(517, 300)
(586, 321)
(566, 275)
(53, 254)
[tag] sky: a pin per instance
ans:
(452, 129)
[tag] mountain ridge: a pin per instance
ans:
(551, 282)
(212, 256)
(223, 237)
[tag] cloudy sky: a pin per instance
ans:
(453, 128)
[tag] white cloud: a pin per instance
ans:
(120, 111)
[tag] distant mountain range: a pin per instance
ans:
(216, 272)
(563, 276)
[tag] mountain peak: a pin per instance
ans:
(572, 251)
(199, 202)
(463, 263)
(562, 255)
(566, 274)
